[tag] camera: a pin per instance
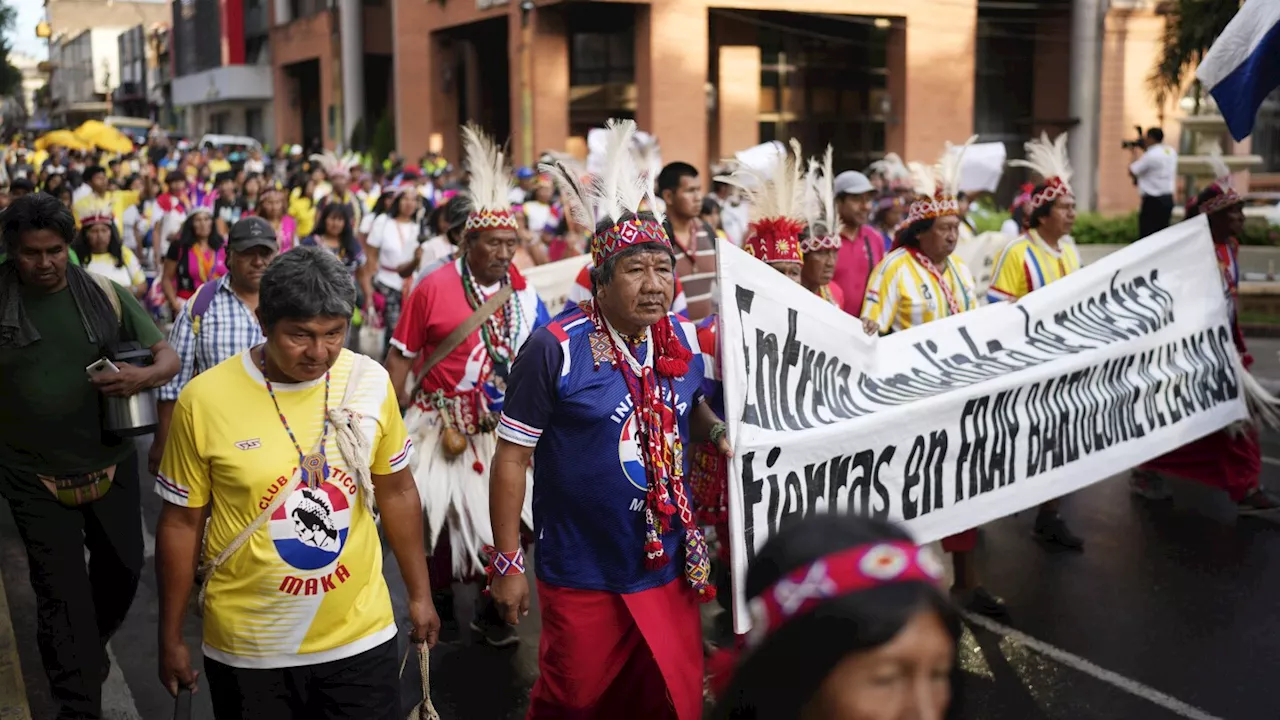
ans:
(1139, 143)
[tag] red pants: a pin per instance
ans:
(608, 656)
(1217, 460)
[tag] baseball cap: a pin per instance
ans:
(524, 173)
(852, 182)
(252, 232)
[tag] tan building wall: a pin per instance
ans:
(303, 39)
(69, 17)
(1130, 48)
(932, 44)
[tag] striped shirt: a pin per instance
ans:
(1028, 264)
(227, 328)
(902, 293)
(696, 266)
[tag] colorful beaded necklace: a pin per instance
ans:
(315, 467)
(500, 331)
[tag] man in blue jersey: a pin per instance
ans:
(605, 398)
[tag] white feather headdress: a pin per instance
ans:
(490, 182)
(334, 165)
(621, 188)
(820, 206)
(892, 169)
(949, 167)
(1048, 159)
(777, 201)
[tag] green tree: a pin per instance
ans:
(1190, 28)
(10, 76)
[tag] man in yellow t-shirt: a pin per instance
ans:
(302, 604)
(1044, 254)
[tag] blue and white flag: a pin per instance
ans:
(1243, 66)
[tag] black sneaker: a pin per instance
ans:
(1051, 529)
(981, 602)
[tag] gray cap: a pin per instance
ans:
(852, 182)
(252, 232)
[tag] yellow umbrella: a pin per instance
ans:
(61, 138)
(104, 137)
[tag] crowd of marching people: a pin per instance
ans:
(354, 357)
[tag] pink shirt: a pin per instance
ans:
(855, 261)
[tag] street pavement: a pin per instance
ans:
(1169, 613)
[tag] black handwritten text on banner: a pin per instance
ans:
(959, 422)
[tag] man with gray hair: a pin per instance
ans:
(289, 444)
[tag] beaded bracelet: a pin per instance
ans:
(503, 563)
(717, 431)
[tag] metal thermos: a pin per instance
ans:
(136, 414)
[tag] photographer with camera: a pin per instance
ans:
(1154, 171)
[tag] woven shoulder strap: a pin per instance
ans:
(463, 331)
(109, 288)
(207, 569)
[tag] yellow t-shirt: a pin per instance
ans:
(1028, 264)
(217, 166)
(307, 588)
(902, 293)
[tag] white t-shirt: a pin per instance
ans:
(538, 215)
(80, 192)
(395, 241)
(367, 223)
(1156, 170)
(254, 166)
(1010, 228)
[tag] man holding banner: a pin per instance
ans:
(1045, 254)
(605, 398)
(922, 280)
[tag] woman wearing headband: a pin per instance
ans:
(847, 623)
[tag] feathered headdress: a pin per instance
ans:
(776, 197)
(892, 169)
(335, 166)
(621, 189)
(490, 183)
(1226, 193)
(820, 206)
(1050, 161)
(937, 186)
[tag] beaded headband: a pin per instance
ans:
(841, 573)
(775, 240)
(1054, 188)
(481, 220)
(635, 231)
(819, 243)
(97, 216)
(932, 208)
(1228, 198)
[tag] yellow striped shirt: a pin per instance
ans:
(1028, 264)
(902, 293)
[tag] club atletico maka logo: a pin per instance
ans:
(310, 529)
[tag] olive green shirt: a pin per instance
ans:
(51, 416)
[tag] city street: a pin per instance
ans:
(1169, 613)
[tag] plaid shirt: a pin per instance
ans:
(226, 329)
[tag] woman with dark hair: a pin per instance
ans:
(887, 214)
(271, 207)
(919, 281)
(394, 252)
(53, 182)
(100, 250)
(334, 233)
(64, 194)
(879, 642)
(251, 194)
(196, 258)
(1229, 460)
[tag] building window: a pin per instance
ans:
(602, 58)
(253, 123)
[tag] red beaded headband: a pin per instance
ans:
(841, 573)
(1228, 198)
(635, 231)
(97, 217)
(491, 220)
(1054, 188)
(775, 240)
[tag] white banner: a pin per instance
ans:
(553, 281)
(971, 418)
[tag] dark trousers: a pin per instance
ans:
(1154, 214)
(390, 311)
(361, 687)
(78, 609)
